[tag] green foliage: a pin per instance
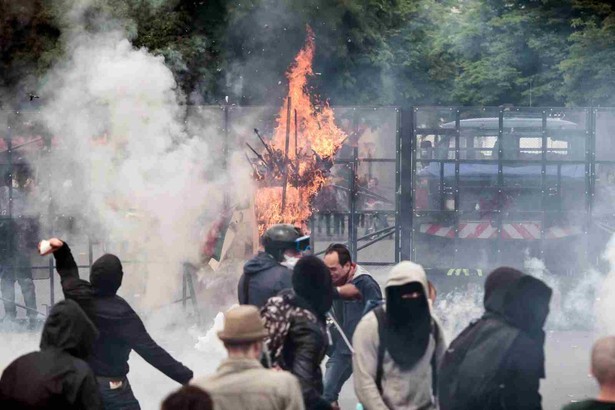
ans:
(403, 52)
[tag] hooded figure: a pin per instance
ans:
(57, 376)
(121, 329)
(296, 324)
(398, 347)
(497, 362)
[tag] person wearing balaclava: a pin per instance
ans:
(57, 376)
(398, 347)
(497, 361)
(121, 329)
(296, 323)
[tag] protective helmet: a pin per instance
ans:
(281, 237)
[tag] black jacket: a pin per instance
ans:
(304, 350)
(121, 329)
(263, 277)
(56, 377)
(497, 362)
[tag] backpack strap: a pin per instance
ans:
(434, 366)
(381, 318)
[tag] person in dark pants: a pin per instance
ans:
(347, 313)
(57, 376)
(20, 233)
(121, 329)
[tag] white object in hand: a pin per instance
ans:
(44, 247)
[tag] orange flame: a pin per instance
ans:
(316, 133)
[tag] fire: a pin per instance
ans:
(298, 174)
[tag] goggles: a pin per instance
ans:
(303, 244)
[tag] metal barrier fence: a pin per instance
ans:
(449, 187)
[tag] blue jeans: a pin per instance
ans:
(338, 370)
(121, 398)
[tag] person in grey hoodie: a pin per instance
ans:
(399, 346)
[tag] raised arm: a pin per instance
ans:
(72, 286)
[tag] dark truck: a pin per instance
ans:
(502, 190)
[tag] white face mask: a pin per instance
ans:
(290, 261)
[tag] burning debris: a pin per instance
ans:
(297, 161)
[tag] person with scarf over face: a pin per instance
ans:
(296, 323)
(57, 376)
(399, 346)
(121, 329)
(497, 361)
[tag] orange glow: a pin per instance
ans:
(316, 134)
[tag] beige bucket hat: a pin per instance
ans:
(242, 324)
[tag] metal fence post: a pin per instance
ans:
(406, 145)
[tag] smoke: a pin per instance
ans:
(605, 302)
(126, 163)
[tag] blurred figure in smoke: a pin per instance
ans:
(20, 233)
(121, 329)
(57, 376)
(188, 398)
(296, 322)
(269, 272)
(497, 362)
(241, 382)
(603, 369)
(399, 346)
(346, 313)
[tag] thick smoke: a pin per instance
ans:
(126, 162)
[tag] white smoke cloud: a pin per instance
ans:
(605, 302)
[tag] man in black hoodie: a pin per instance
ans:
(121, 329)
(57, 376)
(497, 362)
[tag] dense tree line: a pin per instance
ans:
(405, 52)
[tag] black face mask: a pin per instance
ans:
(408, 324)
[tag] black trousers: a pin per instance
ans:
(117, 394)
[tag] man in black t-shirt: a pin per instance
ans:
(603, 369)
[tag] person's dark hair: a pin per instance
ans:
(188, 398)
(342, 251)
(312, 282)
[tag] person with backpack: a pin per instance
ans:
(347, 315)
(398, 346)
(296, 324)
(497, 361)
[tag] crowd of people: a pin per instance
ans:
(294, 311)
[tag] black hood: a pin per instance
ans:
(68, 328)
(106, 275)
(259, 263)
(522, 300)
(497, 284)
(312, 283)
